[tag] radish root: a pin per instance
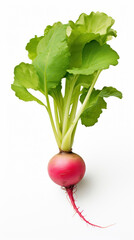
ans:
(70, 191)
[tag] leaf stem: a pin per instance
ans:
(67, 102)
(74, 106)
(57, 120)
(59, 103)
(50, 113)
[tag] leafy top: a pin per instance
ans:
(76, 53)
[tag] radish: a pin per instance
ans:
(76, 53)
(66, 169)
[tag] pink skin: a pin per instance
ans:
(66, 170)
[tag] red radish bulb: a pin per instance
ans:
(66, 169)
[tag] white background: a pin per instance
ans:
(32, 207)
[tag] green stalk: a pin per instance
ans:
(66, 143)
(74, 106)
(73, 134)
(50, 113)
(67, 102)
(57, 120)
(59, 103)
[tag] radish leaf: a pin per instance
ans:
(26, 76)
(96, 103)
(53, 56)
(98, 23)
(23, 94)
(90, 116)
(31, 47)
(96, 57)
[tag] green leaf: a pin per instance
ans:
(110, 91)
(31, 47)
(98, 22)
(96, 26)
(22, 93)
(76, 43)
(47, 29)
(53, 56)
(25, 75)
(90, 116)
(96, 57)
(96, 103)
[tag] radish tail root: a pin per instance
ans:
(69, 191)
